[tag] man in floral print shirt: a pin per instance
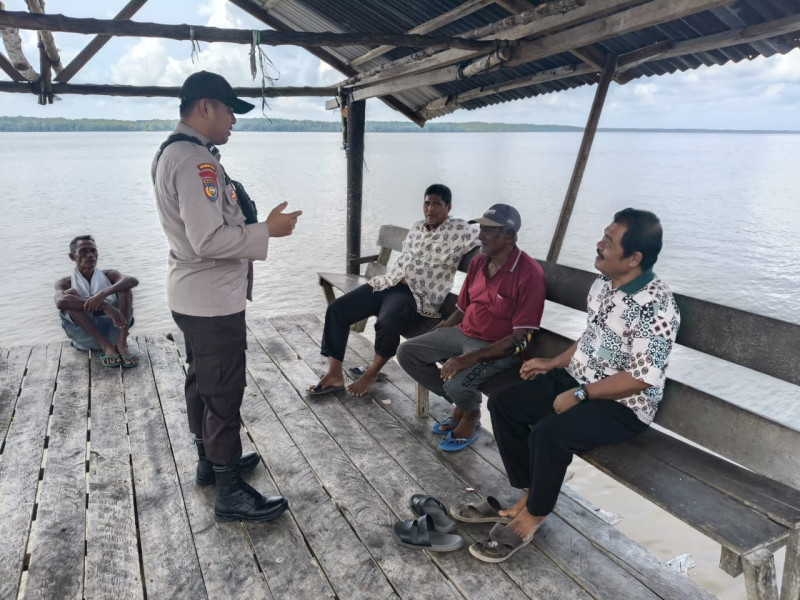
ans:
(411, 291)
(604, 389)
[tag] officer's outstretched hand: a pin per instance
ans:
(281, 224)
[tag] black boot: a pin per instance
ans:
(237, 500)
(205, 469)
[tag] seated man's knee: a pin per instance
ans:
(546, 432)
(402, 353)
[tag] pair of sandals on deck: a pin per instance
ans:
(126, 361)
(353, 372)
(432, 529)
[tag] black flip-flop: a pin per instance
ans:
(318, 390)
(428, 505)
(358, 373)
(421, 534)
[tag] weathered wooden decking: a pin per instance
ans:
(98, 500)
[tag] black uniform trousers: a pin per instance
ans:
(537, 445)
(215, 381)
(395, 308)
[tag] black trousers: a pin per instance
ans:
(538, 458)
(395, 308)
(215, 381)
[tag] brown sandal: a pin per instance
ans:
(501, 544)
(485, 511)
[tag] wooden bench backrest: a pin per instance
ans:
(760, 343)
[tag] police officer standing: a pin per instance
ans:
(208, 282)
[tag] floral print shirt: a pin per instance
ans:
(428, 262)
(633, 329)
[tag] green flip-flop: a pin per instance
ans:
(110, 361)
(130, 361)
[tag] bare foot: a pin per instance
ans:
(525, 524)
(109, 349)
(467, 424)
(122, 347)
(363, 384)
(515, 510)
(457, 415)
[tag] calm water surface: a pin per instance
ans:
(728, 203)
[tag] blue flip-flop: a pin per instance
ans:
(437, 428)
(451, 444)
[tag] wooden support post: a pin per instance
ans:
(583, 157)
(759, 575)
(790, 588)
(421, 399)
(45, 81)
(355, 178)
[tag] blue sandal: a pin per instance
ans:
(437, 429)
(451, 444)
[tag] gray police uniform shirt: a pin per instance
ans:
(210, 245)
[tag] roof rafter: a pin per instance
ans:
(97, 43)
(460, 11)
(235, 36)
(770, 29)
(87, 89)
(627, 21)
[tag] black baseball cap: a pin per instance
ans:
(500, 215)
(210, 85)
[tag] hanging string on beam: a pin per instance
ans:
(265, 64)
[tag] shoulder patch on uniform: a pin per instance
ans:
(210, 188)
(206, 166)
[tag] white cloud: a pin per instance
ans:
(646, 92)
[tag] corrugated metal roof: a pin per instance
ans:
(391, 16)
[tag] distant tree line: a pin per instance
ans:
(262, 124)
(19, 124)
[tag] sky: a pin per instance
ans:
(760, 94)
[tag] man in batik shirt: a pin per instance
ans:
(412, 291)
(604, 389)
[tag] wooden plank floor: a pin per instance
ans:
(98, 500)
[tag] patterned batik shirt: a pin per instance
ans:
(429, 261)
(633, 329)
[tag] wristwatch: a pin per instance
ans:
(580, 394)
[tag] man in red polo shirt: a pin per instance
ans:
(499, 309)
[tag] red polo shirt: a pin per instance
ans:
(512, 299)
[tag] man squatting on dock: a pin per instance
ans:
(499, 308)
(604, 389)
(411, 292)
(208, 282)
(96, 306)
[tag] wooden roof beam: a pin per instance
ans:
(597, 58)
(745, 35)
(543, 20)
(9, 69)
(447, 104)
(97, 43)
(469, 7)
(235, 36)
(88, 89)
(47, 40)
(649, 14)
(659, 51)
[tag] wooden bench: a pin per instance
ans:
(729, 472)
